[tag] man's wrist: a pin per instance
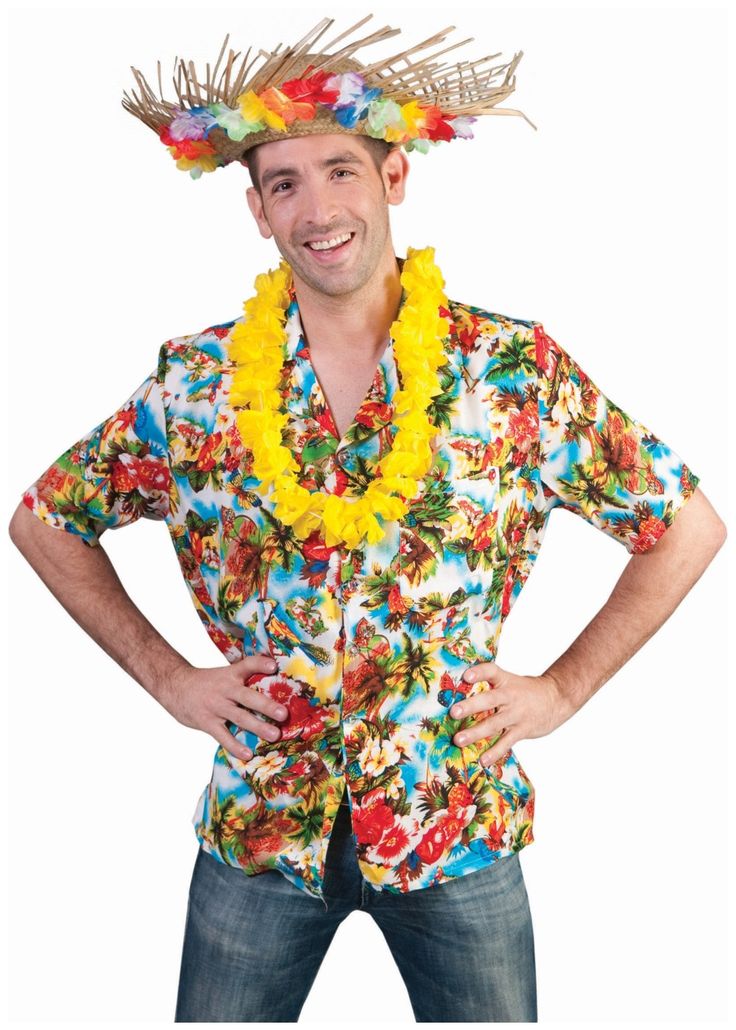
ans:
(566, 702)
(164, 675)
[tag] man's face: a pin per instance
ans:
(322, 187)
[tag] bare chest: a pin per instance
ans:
(344, 387)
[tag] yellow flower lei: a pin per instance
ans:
(257, 347)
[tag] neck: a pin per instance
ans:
(358, 322)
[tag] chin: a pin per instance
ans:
(339, 287)
(333, 285)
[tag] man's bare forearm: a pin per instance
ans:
(85, 582)
(647, 592)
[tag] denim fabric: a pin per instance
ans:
(253, 944)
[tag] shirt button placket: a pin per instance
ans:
(341, 659)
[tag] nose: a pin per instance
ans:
(320, 209)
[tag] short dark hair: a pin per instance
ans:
(379, 149)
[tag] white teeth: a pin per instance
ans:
(328, 244)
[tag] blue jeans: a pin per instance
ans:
(253, 944)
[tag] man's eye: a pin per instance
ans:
(276, 187)
(347, 171)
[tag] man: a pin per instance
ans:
(361, 645)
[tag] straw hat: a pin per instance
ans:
(304, 89)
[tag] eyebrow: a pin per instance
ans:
(338, 159)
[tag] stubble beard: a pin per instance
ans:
(338, 283)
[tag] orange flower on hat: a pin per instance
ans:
(282, 105)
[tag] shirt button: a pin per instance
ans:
(341, 457)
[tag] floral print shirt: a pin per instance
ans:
(371, 643)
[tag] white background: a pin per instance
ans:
(607, 224)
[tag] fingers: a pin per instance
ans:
(484, 700)
(242, 720)
(251, 697)
(230, 743)
(236, 703)
(489, 727)
(483, 671)
(498, 750)
(256, 663)
(479, 702)
(258, 702)
(248, 721)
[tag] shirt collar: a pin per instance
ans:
(377, 409)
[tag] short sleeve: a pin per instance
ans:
(113, 475)
(599, 462)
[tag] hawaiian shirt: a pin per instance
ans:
(371, 643)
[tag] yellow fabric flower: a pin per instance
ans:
(414, 117)
(205, 162)
(253, 109)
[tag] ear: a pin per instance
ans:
(256, 209)
(394, 173)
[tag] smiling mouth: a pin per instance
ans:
(331, 246)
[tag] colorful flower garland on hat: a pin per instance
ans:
(413, 125)
(258, 347)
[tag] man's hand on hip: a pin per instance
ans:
(512, 708)
(206, 699)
